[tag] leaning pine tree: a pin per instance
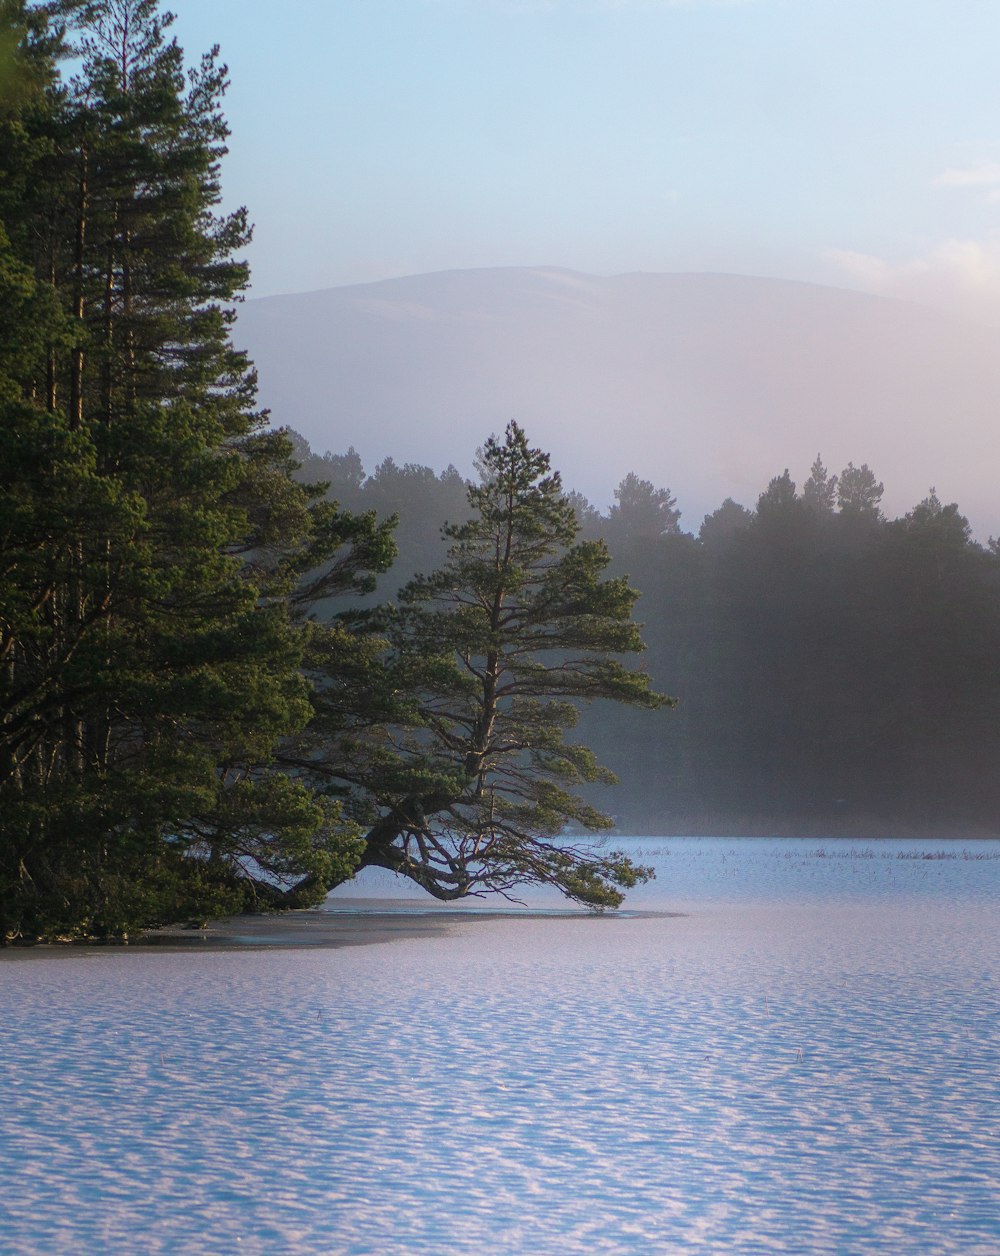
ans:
(473, 791)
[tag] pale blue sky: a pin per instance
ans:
(854, 142)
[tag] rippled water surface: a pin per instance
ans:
(805, 1060)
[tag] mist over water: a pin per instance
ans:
(699, 872)
(805, 1060)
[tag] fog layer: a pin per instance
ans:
(708, 383)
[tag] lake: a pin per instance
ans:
(781, 1046)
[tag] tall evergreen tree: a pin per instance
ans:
(820, 491)
(153, 545)
(859, 494)
(778, 505)
(642, 514)
(723, 525)
(496, 649)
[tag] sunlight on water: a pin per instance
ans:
(806, 1061)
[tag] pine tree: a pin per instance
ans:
(859, 493)
(820, 491)
(468, 786)
(155, 552)
(642, 514)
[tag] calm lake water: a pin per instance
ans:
(805, 1060)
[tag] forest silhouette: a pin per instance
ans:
(835, 668)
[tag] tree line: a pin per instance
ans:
(835, 668)
(199, 711)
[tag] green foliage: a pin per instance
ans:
(155, 552)
(642, 513)
(468, 785)
(835, 671)
(820, 491)
(413, 494)
(26, 45)
(724, 525)
(859, 493)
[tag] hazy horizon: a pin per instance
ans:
(837, 142)
(708, 385)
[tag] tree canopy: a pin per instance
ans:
(154, 548)
(207, 702)
(468, 785)
(834, 667)
(196, 714)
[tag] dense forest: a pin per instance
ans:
(197, 715)
(835, 669)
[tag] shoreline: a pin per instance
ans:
(366, 922)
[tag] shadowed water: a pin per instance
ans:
(805, 1061)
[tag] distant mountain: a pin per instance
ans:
(707, 384)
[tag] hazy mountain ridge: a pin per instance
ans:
(708, 383)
